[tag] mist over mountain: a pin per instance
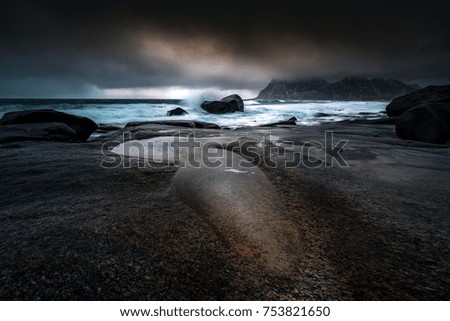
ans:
(349, 88)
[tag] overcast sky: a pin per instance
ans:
(172, 48)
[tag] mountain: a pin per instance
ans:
(350, 88)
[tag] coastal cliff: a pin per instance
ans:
(345, 89)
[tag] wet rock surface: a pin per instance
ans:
(239, 201)
(178, 123)
(177, 112)
(376, 230)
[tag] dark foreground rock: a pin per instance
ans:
(229, 104)
(379, 229)
(424, 115)
(177, 112)
(37, 131)
(428, 123)
(83, 127)
(401, 104)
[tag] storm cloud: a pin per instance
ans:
(51, 49)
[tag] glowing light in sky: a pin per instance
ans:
(173, 92)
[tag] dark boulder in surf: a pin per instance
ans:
(229, 104)
(290, 121)
(177, 112)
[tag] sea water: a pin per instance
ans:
(257, 112)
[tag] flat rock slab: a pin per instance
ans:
(378, 229)
(242, 205)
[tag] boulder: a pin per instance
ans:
(229, 104)
(177, 112)
(290, 121)
(37, 131)
(82, 126)
(428, 123)
(427, 95)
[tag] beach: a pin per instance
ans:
(374, 227)
(224, 159)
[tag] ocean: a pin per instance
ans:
(257, 112)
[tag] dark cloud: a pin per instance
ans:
(49, 47)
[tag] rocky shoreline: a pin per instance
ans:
(376, 230)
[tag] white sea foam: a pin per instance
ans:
(235, 171)
(257, 112)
